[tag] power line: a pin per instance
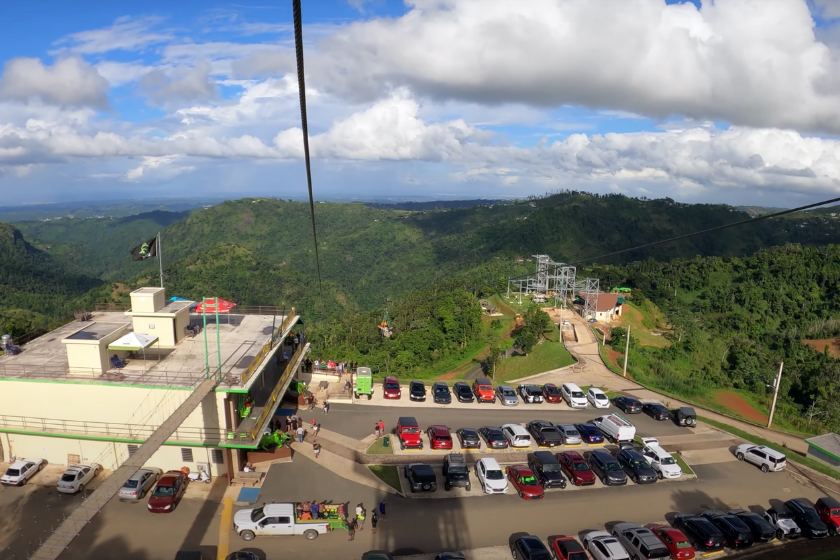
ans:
(303, 120)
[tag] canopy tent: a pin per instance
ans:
(176, 298)
(133, 342)
(209, 306)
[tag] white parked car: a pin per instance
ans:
(765, 458)
(597, 398)
(491, 476)
(662, 462)
(20, 471)
(75, 478)
(603, 546)
(517, 435)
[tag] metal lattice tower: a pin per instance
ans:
(590, 298)
(540, 284)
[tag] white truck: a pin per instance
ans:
(615, 428)
(662, 462)
(281, 519)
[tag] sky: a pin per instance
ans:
(734, 101)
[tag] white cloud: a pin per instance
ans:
(70, 81)
(157, 168)
(264, 63)
(121, 73)
(127, 33)
(751, 62)
(180, 84)
(828, 9)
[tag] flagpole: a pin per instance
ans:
(160, 259)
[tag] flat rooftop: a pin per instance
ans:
(241, 339)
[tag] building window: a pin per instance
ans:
(186, 455)
(132, 448)
(217, 456)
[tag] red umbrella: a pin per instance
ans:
(209, 306)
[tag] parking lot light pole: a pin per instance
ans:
(775, 394)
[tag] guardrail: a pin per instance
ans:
(238, 310)
(267, 347)
(277, 392)
(123, 376)
(106, 429)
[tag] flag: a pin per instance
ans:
(145, 250)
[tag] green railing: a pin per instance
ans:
(277, 392)
(267, 347)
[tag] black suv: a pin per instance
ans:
(547, 468)
(441, 394)
(702, 533)
(544, 433)
(735, 531)
(463, 392)
(762, 530)
(628, 405)
(421, 477)
(417, 391)
(529, 548)
(806, 516)
(456, 473)
(606, 468)
(636, 466)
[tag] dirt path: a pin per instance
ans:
(739, 406)
(820, 344)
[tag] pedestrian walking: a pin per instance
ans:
(300, 432)
(351, 529)
(326, 407)
(315, 429)
(374, 519)
(316, 449)
(288, 423)
(293, 422)
(382, 510)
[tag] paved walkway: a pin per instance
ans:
(593, 371)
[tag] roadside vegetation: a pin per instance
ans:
(389, 474)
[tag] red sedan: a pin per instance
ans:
(168, 491)
(526, 483)
(567, 548)
(551, 393)
(391, 388)
(576, 468)
(678, 545)
(439, 437)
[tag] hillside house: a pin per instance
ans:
(607, 306)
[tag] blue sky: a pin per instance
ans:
(733, 101)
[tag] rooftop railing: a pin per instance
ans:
(123, 376)
(238, 310)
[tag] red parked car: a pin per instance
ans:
(678, 544)
(168, 492)
(551, 393)
(391, 388)
(439, 437)
(567, 548)
(829, 510)
(576, 468)
(525, 482)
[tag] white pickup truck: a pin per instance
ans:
(615, 428)
(273, 520)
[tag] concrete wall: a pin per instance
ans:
(82, 358)
(108, 454)
(182, 319)
(145, 302)
(815, 453)
(161, 327)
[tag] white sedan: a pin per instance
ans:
(20, 471)
(76, 477)
(603, 546)
(597, 398)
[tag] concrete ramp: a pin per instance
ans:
(708, 456)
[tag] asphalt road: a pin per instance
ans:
(422, 526)
(357, 421)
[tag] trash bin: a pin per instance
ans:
(386, 442)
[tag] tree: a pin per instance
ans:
(493, 358)
(526, 340)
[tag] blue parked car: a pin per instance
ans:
(590, 434)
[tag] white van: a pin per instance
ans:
(662, 462)
(276, 520)
(615, 428)
(491, 476)
(517, 435)
(573, 396)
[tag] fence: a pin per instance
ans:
(275, 336)
(123, 376)
(278, 389)
(238, 310)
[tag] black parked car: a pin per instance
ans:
(628, 405)
(547, 468)
(702, 533)
(590, 433)
(735, 531)
(806, 516)
(529, 548)
(463, 392)
(656, 411)
(544, 433)
(607, 468)
(417, 391)
(468, 438)
(762, 530)
(493, 437)
(421, 477)
(441, 394)
(636, 467)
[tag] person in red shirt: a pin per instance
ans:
(381, 428)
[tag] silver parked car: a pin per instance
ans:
(140, 482)
(75, 478)
(507, 395)
(569, 434)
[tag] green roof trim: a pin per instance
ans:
(817, 447)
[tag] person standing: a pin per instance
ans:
(316, 449)
(361, 519)
(381, 426)
(326, 407)
(373, 521)
(382, 509)
(300, 432)
(351, 529)
(315, 429)
(376, 429)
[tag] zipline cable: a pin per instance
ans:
(305, 128)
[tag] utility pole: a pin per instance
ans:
(626, 350)
(604, 339)
(775, 394)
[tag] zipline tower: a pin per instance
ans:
(557, 280)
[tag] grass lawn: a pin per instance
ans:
(683, 465)
(633, 316)
(389, 474)
(791, 455)
(551, 354)
(377, 447)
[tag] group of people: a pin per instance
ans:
(357, 522)
(294, 424)
(329, 365)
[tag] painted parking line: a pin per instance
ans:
(710, 554)
(224, 529)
